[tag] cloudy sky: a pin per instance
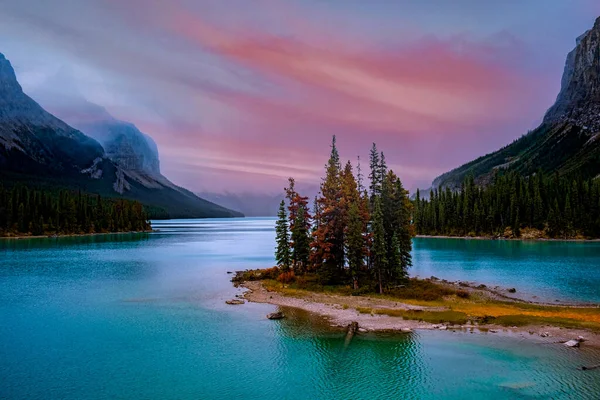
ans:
(241, 94)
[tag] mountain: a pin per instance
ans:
(257, 204)
(37, 148)
(567, 141)
(250, 204)
(33, 141)
(122, 141)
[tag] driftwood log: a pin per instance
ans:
(352, 329)
(590, 368)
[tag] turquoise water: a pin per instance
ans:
(548, 270)
(143, 317)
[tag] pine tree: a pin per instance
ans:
(404, 229)
(282, 252)
(380, 261)
(301, 239)
(329, 236)
(375, 174)
(355, 246)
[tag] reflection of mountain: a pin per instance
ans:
(254, 204)
(568, 139)
(39, 149)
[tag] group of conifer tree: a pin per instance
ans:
(353, 235)
(558, 206)
(40, 212)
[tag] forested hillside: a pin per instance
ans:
(24, 211)
(541, 205)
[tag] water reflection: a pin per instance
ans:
(146, 318)
(550, 270)
(66, 241)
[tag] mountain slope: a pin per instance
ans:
(39, 149)
(122, 141)
(567, 141)
(250, 204)
(34, 141)
(257, 204)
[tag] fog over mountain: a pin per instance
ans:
(41, 150)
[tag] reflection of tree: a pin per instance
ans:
(372, 366)
(71, 241)
(63, 256)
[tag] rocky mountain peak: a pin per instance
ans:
(123, 142)
(8, 78)
(579, 99)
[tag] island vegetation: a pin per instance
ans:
(30, 212)
(513, 206)
(353, 235)
(352, 251)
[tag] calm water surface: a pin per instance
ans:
(549, 270)
(143, 317)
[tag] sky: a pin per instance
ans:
(239, 95)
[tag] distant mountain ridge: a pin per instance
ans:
(249, 204)
(36, 148)
(256, 204)
(567, 141)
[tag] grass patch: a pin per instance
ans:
(461, 305)
(524, 320)
(433, 317)
(417, 289)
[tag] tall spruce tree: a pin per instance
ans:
(379, 251)
(301, 239)
(375, 174)
(328, 237)
(282, 237)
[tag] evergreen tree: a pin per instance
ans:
(355, 246)
(375, 174)
(282, 252)
(24, 211)
(301, 239)
(380, 261)
(329, 236)
(557, 206)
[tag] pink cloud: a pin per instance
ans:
(248, 99)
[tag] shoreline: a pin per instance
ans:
(341, 311)
(56, 236)
(503, 294)
(492, 238)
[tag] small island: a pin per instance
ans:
(348, 261)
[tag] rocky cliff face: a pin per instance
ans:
(579, 99)
(125, 145)
(567, 141)
(32, 139)
(38, 149)
(123, 142)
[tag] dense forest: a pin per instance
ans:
(25, 211)
(353, 234)
(513, 206)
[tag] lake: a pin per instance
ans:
(142, 316)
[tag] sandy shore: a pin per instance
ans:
(340, 311)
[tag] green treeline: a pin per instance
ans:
(352, 235)
(24, 211)
(545, 206)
